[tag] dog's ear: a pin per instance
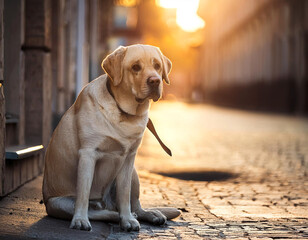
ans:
(112, 65)
(167, 69)
(167, 65)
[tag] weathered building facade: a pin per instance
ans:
(255, 54)
(26, 100)
(49, 49)
(2, 102)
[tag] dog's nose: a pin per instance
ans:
(153, 81)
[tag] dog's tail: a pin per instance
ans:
(169, 212)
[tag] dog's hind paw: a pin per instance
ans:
(169, 212)
(157, 217)
(152, 216)
(95, 205)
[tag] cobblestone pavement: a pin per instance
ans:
(234, 175)
(208, 137)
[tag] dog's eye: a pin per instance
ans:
(157, 66)
(136, 67)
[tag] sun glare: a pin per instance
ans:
(186, 13)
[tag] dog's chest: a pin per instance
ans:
(117, 140)
(114, 153)
(114, 135)
(118, 147)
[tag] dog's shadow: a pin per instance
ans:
(52, 228)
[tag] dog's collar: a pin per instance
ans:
(150, 124)
(112, 95)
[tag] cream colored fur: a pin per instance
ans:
(89, 162)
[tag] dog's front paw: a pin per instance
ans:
(129, 224)
(80, 223)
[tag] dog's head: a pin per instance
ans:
(140, 69)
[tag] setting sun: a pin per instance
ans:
(186, 13)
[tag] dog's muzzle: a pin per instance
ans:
(153, 84)
(154, 90)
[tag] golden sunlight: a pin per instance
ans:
(186, 13)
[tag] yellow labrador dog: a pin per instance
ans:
(89, 163)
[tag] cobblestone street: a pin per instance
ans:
(234, 175)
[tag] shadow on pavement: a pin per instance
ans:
(207, 176)
(52, 228)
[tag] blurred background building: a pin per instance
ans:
(240, 53)
(255, 54)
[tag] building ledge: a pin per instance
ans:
(22, 151)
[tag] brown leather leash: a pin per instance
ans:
(151, 127)
(149, 124)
